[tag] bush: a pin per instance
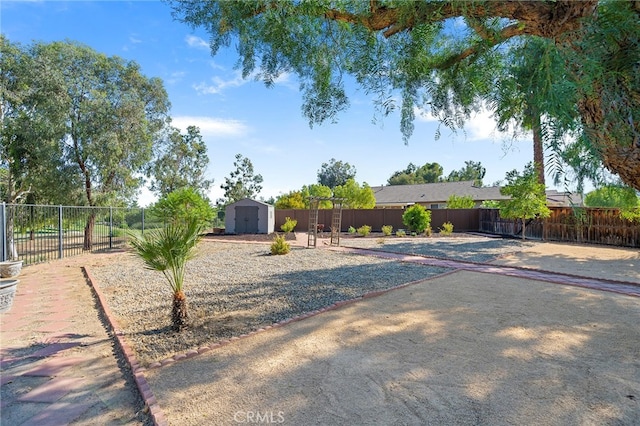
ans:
(428, 232)
(289, 225)
(183, 205)
(351, 230)
(417, 218)
(280, 245)
(387, 230)
(364, 230)
(400, 233)
(463, 202)
(447, 228)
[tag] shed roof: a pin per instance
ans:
(250, 201)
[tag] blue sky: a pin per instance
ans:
(239, 116)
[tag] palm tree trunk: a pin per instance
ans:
(538, 148)
(179, 316)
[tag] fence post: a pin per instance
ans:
(110, 228)
(60, 236)
(3, 230)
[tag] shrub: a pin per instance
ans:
(428, 231)
(183, 205)
(351, 230)
(364, 230)
(280, 245)
(400, 233)
(463, 202)
(447, 228)
(417, 218)
(289, 225)
(387, 230)
(490, 204)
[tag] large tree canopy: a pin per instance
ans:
(447, 57)
(427, 173)
(241, 183)
(33, 123)
(181, 162)
(335, 173)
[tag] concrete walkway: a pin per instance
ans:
(60, 365)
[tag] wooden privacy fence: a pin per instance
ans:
(591, 225)
(463, 220)
(566, 224)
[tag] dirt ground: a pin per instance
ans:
(592, 261)
(464, 348)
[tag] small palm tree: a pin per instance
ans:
(168, 250)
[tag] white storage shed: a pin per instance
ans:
(249, 217)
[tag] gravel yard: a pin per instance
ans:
(462, 247)
(234, 288)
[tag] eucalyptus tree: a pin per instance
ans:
(442, 56)
(31, 168)
(335, 173)
(181, 162)
(112, 115)
(427, 173)
(32, 127)
(472, 170)
(241, 183)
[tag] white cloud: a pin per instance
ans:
(218, 84)
(175, 77)
(423, 115)
(481, 126)
(211, 126)
(197, 42)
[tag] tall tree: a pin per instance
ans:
(427, 173)
(335, 173)
(112, 114)
(32, 126)
(32, 129)
(410, 49)
(181, 162)
(241, 183)
(471, 171)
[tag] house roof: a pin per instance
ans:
(555, 198)
(440, 192)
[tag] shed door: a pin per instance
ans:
(246, 219)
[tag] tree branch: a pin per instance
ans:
(506, 33)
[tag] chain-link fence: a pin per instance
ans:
(37, 233)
